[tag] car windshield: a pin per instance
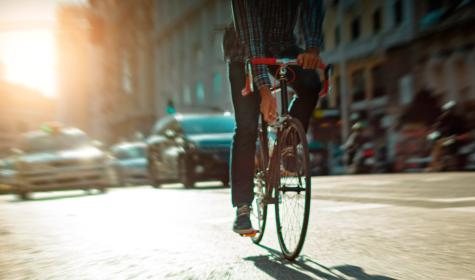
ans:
(44, 142)
(130, 152)
(208, 125)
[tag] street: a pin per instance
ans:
(397, 226)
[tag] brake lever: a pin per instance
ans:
(327, 76)
(249, 87)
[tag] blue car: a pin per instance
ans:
(189, 148)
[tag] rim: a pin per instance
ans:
(293, 193)
(259, 208)
(259, 211)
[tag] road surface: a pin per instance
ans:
(412, 226)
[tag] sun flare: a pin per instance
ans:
(29, 59)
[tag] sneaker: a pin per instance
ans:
(242, 223)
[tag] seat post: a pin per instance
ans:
(283, 89)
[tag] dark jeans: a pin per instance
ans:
(307, 86)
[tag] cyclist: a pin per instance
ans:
(265, 28)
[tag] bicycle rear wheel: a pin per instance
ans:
(292, 188)
(259, 208)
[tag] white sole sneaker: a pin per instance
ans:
(244, 231)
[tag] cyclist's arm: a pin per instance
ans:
(249, 28)
(312, 14)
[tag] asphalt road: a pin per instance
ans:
(416, 226)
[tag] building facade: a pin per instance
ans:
(106, 68)
(190, 68)
(387, 51)
(123, 37)
(76, 88)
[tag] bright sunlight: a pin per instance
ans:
(28, 58)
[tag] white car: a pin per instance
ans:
(60, 159)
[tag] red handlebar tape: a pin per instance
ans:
(264, 60)
(278, 61)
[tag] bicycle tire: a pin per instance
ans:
(259, 209)
(291, 234)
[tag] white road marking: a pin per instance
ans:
(413, 199)
(470, 209)
(456, 199)
(434, 179)
(352, 207)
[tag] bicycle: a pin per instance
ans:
(282, 175)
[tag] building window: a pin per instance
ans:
(126, 74)
(378, 81)
(355, 28)
(187, 95)
(405, 89)
(398, 12)
(198, 54)
(218, 39)
(337, 92)
(200, 93)
(358, 85)
(217, 85)
(377, 20)
(337, 36)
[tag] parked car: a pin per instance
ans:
(188, 148)
(7, 175)
(130, 163)
(60, 159)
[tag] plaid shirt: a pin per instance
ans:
(267, 27)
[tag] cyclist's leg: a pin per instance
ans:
(307, 85)
(246, 110)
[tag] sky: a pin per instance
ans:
(27, 43)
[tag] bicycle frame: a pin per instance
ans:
(283, 64)
(279, 181)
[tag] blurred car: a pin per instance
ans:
(60, 159)
(188, 148)
(131, 163)
(7, 176)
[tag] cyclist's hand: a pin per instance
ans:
(310, 59)
(268, 105)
